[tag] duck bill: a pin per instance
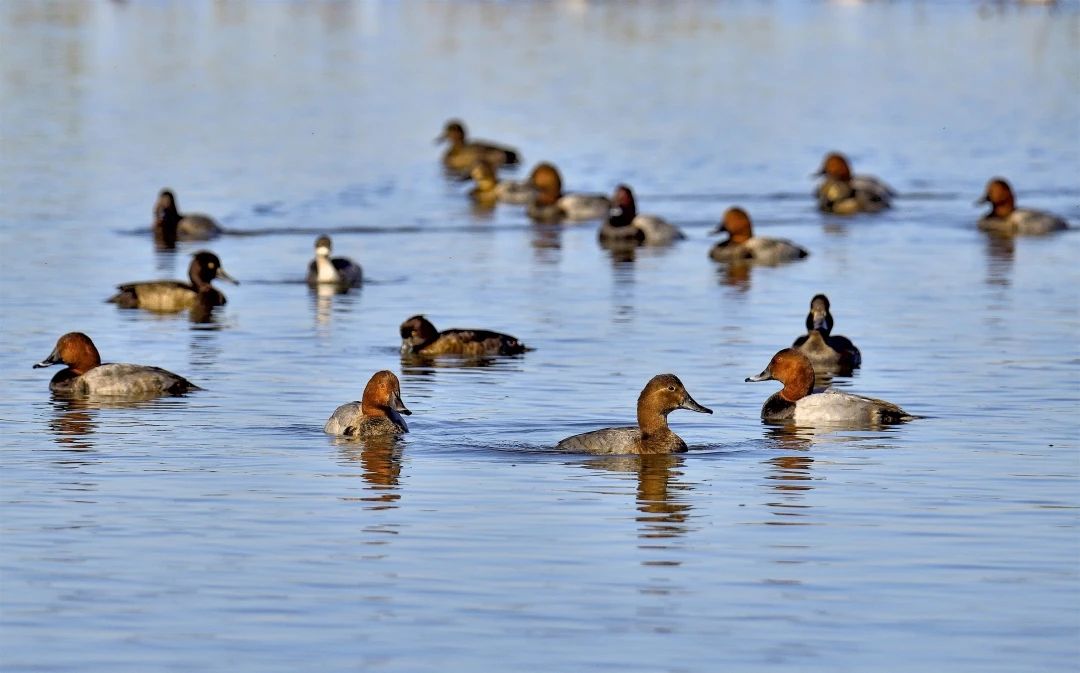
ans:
(720, 228)
(399, 406)
(226, 277)
(985, 198)
(763, 376)
(53, 359)
(820, 322)
(441, 138)
(690, 405)
(406, 347)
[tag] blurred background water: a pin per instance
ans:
(223, 530)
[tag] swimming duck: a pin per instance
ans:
(842, 193)
(325, 269)
(1005, 218)
(825, 350)
(462, 155)
(797, 401)
(170, 226)
(489, 190)
(549, 204)
(419, 337)
(175, 295)
(742, 245)
(377, 414)
(625, 225)
(663, 394)
(85, 375)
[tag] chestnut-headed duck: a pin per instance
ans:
(175, 295)
(1005, 218)
(489, 190)
(377, 414)
(842, 193)
(419, 337)
(550, 204)
(85, 375)
(663, 394)
(797, 402)
(742, 246)
(170, 226)
(624, 225)
(463, 154)
(825, 350)
(328, 270)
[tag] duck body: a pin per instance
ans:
(85, 375)
(826, 351)
(462, 154)
(489, 190)
(625, 225)
(324, 269)
(1006, 219)
(842, 193)
(419, 337)
(377, 414)
(169, 296)
(662, 394)
(742, 246)
(171, 226)
(550, 205)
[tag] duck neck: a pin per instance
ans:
(324, 269)
(652, 423)
(1004, 208)
(798, 387)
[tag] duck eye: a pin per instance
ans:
(671, 388)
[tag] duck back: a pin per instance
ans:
(126, 380)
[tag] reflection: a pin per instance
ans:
(165, 261)
(323, 295)
(546, 242)
(735, 275)
(1000, 254)
(661, 499)
(414, 364)
(790, 477)
(72, 423)
(380, 459)
(205, 347)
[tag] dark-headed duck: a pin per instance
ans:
(419, 337)
(463, 154)
(798, 402)
(624, 225)
(742, 246)
(174, 295)
(1005, 218)
(663, 394)
(842, 193)
(550, 204)
(170, 226)
(826, 350)
(328, 270)
(377, 414)
(85, 375)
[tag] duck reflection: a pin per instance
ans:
(1000, 255)
(662, 503)
(323, 296)
(380, 460)
(72, 423)
(735, 275)
(789, 476)
(546, 242)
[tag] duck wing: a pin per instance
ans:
(603, 442)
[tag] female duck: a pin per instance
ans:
(549, 204)
(461, 155)
(842, 193)
(797, 401)
(170, 226)
(174, 295)
(742, 245)
(1005, 218)
(85, 375)
(489, 190)
(377, 414)
(825, 350)
(624, 225)
(663, 394)
(325, 269)
(419, 337)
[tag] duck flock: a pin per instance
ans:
(380, 412)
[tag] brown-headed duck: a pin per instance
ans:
(549, 204)
(798, 402)
(377, 414)
(463, 154)
(624, 225)
(742, 246)
(842, 193)
(826, 351)
(1005, 218)
(174, 295)
(327, 270)
(170, 226)
(85, 375)
(663, 394)
(489, 190)
(419, 337)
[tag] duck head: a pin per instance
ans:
(736, 223)
(382, 394)
(1000, 197)
(417, 332)
(453, 133)
(623, 208)
(323, 247)
(835, 167)
(819, 317)
(205, 267)
(547, 182)
(663, 394)
(791, 368)
(75, 350)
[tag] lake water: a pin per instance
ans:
(224, 531)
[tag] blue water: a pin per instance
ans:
(224, 531)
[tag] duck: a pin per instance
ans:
(742, 246)
(624, 225)
(377, 414)
(663, 394)
(489, 190)
(549, 204)
(419, 337)
(842, 193)
(170, 226)
(797, 402)
(328, 270)
(85, 375)
(174, 295)
(1005, 218)
(462, 154)
(824, 349)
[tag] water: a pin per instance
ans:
(223, 530)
